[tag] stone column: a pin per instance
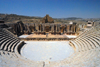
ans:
(64, 29)
(34, 27)
(43, 28)
(56, 28)
(77, 28)
(71, 28)
(74, 28)
(68, 28)
(53, 28)
(40, 27)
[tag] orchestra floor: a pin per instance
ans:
(46, 50)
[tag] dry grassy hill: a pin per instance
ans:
(12, 18)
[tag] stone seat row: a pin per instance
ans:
(80, 59)
(92, 30)
(8, 43)
(87, 49)
(91, 41)
(6, 31)
(8, 52)
(9, 59)
(86, 54)
(88, 40)
(83, 56)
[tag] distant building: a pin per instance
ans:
(71, 22)
(89, 24)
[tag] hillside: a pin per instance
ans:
(12, 18)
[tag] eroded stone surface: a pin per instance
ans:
(47, 19)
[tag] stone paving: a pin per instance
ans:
(46, 50)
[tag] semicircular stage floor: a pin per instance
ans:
(46, 50)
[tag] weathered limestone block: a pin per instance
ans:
(19, 28)
(47, 19)
(31, 28)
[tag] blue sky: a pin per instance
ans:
(55, 8)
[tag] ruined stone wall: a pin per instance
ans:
(19, 28)
(47, 19)
(54, 28)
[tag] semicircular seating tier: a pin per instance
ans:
(86, 51)
(9, 55)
